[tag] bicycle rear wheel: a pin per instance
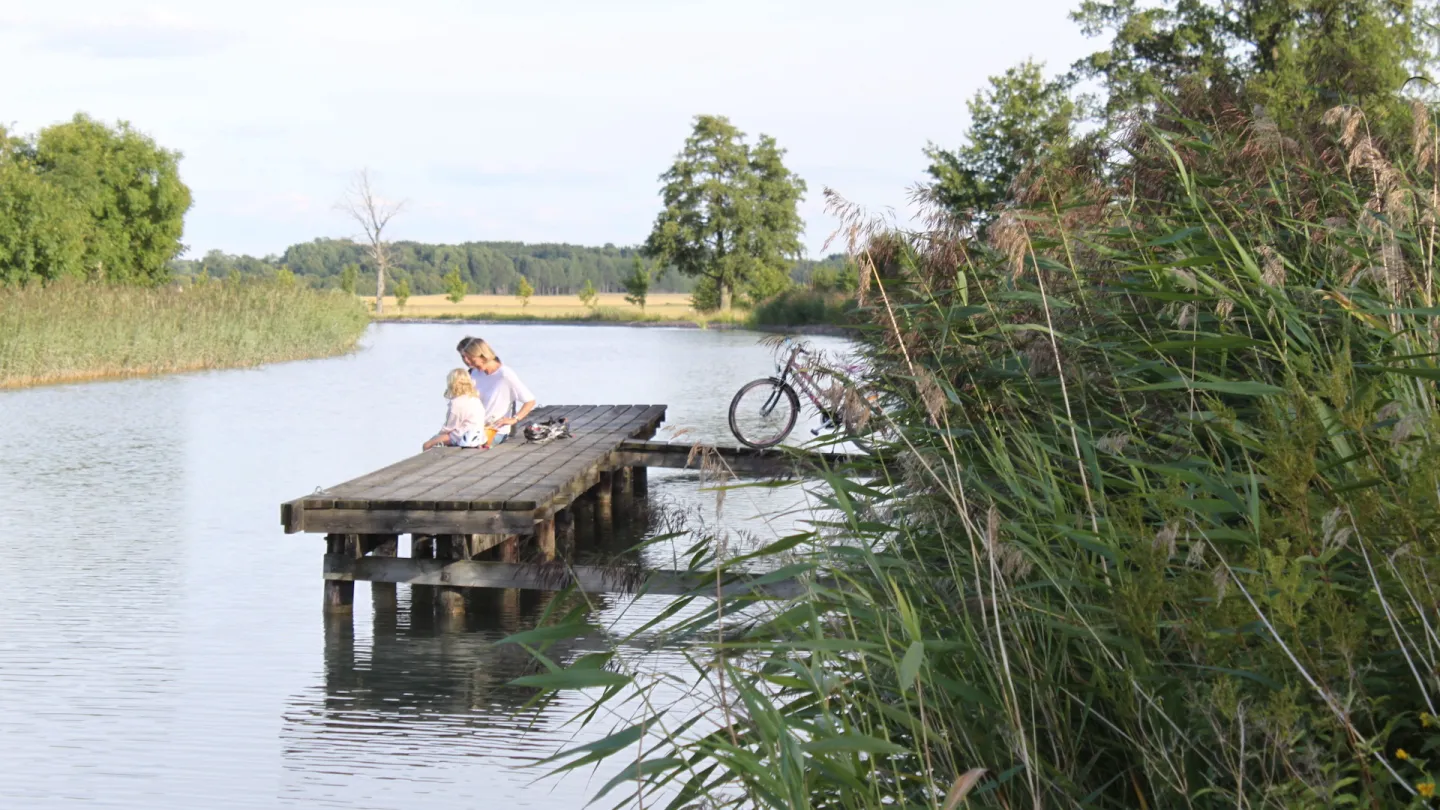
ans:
(763, 412)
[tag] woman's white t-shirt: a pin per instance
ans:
(502, 392)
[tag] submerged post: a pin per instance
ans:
(422, 597)
(339, 594)
(382, 594)
(605, 503)
(565, 532)
(448, 547)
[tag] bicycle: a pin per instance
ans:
(763, 412)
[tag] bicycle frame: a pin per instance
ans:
(804, 381)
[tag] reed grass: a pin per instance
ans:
(802, 307)
(1158, 529)
(71, 331)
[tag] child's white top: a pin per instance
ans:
(465, 414)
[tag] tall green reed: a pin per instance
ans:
(1158, 527)
(71, 330)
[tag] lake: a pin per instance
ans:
(162, 643)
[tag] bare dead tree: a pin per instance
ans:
(364, 206)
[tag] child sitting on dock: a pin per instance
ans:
(465, 418)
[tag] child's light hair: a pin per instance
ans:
(459, 384)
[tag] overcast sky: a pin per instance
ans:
(549, 122)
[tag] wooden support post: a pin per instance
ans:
(565, 532)
(605, 504)
(339, 594)
(582, 511)
(621, 486)
(509, 549)
(545, 539)
(449, 547)
(639, 481)
(382, 594)
(422, 597)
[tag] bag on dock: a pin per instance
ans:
(549, 430)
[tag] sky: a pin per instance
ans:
(548, 121)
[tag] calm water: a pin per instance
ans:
(161, 640)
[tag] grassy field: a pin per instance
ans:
(67, 332)
(609, 306)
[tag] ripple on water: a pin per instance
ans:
(161, 644)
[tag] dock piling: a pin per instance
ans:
(545, 539)
(605, 503)
(339, 594)
(382, 594)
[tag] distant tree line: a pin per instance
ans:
(83, 199)
(484, 267)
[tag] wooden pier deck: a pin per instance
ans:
(466, 510)
(504, 490)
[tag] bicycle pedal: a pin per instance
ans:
(815, 431)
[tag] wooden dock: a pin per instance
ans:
(468, 511)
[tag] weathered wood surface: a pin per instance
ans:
(550, 577)
(740, 460)
(503, 490)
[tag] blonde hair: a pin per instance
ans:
(477, 349)
(459, 384)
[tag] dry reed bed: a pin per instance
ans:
(73, 331)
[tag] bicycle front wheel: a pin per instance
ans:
(763, 412)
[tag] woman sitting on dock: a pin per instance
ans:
(465, 419)
(507, 400)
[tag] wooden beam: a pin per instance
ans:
(408, 521)
(546, 577)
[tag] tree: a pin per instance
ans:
(42, 229)
(523, 291)
(402, 293)
(587, 294)
(349, 277)
(285, 278)
(130, 189)
(455, 286)
(364, 206)
(1289, 55)
(637, 284)
(731, 211)
(1013, 122)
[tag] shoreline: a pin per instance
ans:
(115, 374)
(830, 330)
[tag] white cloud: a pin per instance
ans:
(146, 34)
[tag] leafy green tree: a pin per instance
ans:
(129, 187)
(588, 294)
(349, 277)
(402, 293)
(523, 291)
(284, 277)
(1013, 122)
(42, 229)
(731, 210)
(843, 279)
(637, 284)
(455, 286)
(1288, 55)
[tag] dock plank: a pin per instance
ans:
(461, 490)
